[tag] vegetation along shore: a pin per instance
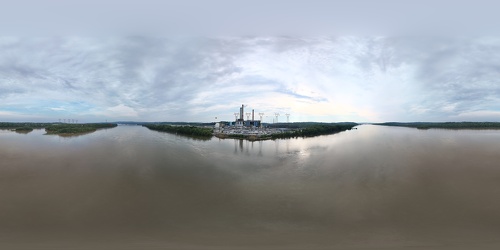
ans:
(275, 131)
(75, 129)
(444, 125)
(63, 129)
(182, 130)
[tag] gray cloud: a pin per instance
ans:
(198, 78)
(258, 17)
(461, 72)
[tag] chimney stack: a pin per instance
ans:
(241, 112)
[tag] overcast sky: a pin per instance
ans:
(128, 64)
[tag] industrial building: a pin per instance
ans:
(241, 122)
(249, 128)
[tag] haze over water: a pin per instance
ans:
(132, 188)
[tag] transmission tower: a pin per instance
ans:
(287, 118)
(248, 116)
(276, 114)
(261, 115)
(236, 116)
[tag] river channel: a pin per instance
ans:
(133, 188)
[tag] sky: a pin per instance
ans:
(327, 61)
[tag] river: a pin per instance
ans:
(132, 188)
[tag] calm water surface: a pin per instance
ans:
(132, 188)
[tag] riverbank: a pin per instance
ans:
(61, 129)
(192, 131)
(443, 125)
(283, 131)
(255, 134)
(76, 129)
(242, 136)
(22, 127)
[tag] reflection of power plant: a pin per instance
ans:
(240, 122)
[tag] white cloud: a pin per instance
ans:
(58, 109)
(449, 107)
(481, 115)
(197, 79)
(120, 111)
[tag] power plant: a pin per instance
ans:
(248, 124)
(248, 127)
(240, 122)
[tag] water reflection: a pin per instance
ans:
(375, 186)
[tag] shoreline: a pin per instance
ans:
(61, 129)
(255, 134)
(241, 137)
(444, 125)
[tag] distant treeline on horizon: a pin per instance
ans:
(444, 125)
(56, 127)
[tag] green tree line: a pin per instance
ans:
(182, 130)
(77, 128)
(56, 128)
(15, 125)
(315, 130)
(444, 125)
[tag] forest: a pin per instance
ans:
(55, 128)
(63, 128)
(444, 125)
(182, 130)
(300, 125)
(315, 129)
(23, 125)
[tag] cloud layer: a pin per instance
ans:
(199, 78)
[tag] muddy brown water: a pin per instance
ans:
(369, 188)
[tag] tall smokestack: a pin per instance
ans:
(253, 112)
(241, 112)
